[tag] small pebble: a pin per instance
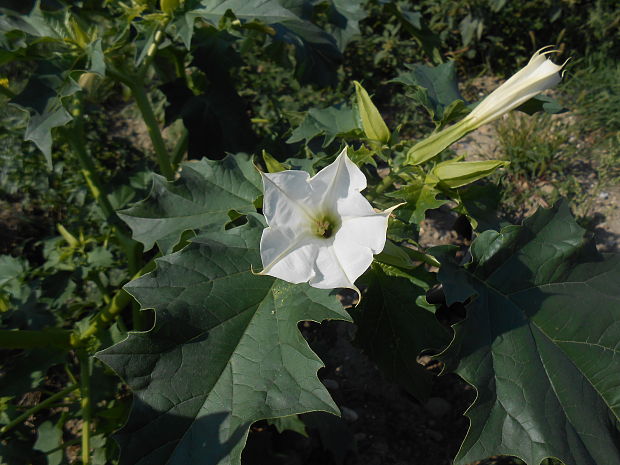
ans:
(349, 414)
(604, 195)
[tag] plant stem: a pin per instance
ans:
(95, 186)
(30, 339)
(384, 184)
(106, 316)
(85, 369)
(180, 149)
(144, 104)
(46, 403)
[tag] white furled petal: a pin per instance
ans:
(290, 259)
(538, 75)
(287, 199)
(340, 180)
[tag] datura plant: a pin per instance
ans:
(232, 252)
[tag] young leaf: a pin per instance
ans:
(372, 122)
(225, 352)
(331, 122)
(539, 343)
(434, 88)
(392, 330)
(201, 197)
(420, 196)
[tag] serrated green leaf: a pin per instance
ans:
(434, 88)
(331, 122)
(201, 197)
(225, 352)
(42, 99)
(420, 196)
(317, 54)
(96, 59)
(542, 103)
(392, 330)
(372, 122)
(290, 423)
(539, 343)
(49, 437)
(480, 203)
(414, 25)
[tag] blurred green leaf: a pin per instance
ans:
(49, 437)
(331, 122)
(542, 103)
(434, 88)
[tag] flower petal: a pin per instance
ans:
(365, 231)
(340, 180)
(287, 199)
(330, 271)
(287, 258)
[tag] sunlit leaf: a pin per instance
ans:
(203, 195)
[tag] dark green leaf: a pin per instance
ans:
(290, 423)
(316, 51)
(96, 59)
(413, 23)
(331, 122)
(434, 88)
(27, 370)
(420, 197)
(392, 330)
(481, 203)
(542, 103)
(539, 343)
(42, 99)
(201, 197)
(225, 352)
(49, 437)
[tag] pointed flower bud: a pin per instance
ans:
(321, 229)
(538, 75)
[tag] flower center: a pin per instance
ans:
(325, 226)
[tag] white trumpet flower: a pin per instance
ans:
(321, 230)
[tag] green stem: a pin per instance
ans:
(180, 149)
(384, 184)
(106, 316)
(75, 136)
(438, 141)
(30, 339)
(144, 104)
(7, 92)
(85, 402)
(46, 403)
(150, 54)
